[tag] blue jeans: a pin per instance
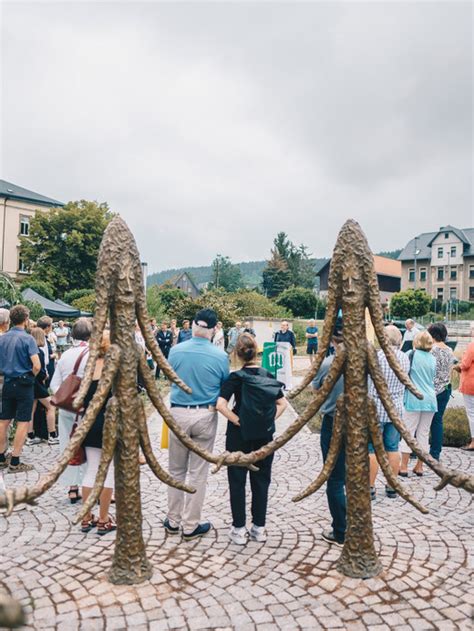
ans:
(391, 439)
(335, 488)
(437, 423)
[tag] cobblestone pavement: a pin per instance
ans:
(288, 583)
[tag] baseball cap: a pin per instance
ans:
(206, 318)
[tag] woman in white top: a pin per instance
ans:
(81, 332)
(218, 339)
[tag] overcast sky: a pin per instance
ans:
(210, 127)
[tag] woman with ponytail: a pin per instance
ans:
(247, 430)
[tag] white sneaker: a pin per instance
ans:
(53, 440)
(238, 535)
(33, 441)
(258, 533)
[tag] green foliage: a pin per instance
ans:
(154, 305)
(390, 254)
(40, 286)
(289, 266)
(252, 303)
(8, 290)
(456, 427)
(74, 294)
(85, 303)
(299, 330)
(225, 275)
(300, 301)
(36, 310)
(63, 244)
(411, 303)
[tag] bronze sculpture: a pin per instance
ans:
(121, 298)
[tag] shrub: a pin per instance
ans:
(85, 303)
(74, 294)
(300, 301)
(456, 427)
(41, 287)
(411, 303)
(299, 330)
(36, 310)
(252, 303)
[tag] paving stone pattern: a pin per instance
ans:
(287, 583)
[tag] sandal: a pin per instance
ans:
(73, 495)
(88, 523)
(103, 527)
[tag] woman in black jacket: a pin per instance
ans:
(246, 351)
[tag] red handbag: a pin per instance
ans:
(66, 393)
(80, 456)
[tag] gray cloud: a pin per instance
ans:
(210, 127)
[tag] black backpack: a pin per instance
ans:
(258, 404)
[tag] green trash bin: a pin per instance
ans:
(271, 359)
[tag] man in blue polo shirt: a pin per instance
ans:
(203, 367)
(19, 359)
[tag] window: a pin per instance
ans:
(440, 253)
(440, 295)
(453, 251)
(471, 294)
(24, 226)
(22, 269)
(423, 274)
(454, 274)
(452, 293)
(446, 235)
(411, 275)
(471, 271)
(440, 273)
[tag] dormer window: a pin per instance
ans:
(446, 235)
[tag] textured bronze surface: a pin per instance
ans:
(353, 287)
(121, 301)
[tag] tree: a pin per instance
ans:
(63, 244)
(225, 275)
(85, 303)
(289, 266)
(74, 294)
(411, 303)
(36, 310)
(252, 303)
(300, 301)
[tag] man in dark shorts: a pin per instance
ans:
(312, 340)
(19, 359)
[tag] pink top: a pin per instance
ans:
(467, 371)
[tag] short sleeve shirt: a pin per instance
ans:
(312, 341)
(16, 349)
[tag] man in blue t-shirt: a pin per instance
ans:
(203, 367)
(312, 340)
(19, 359)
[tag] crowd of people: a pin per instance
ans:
(34, 365)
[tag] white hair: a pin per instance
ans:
(202, 331)
(4, 317)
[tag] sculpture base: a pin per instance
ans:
(359, 566)
(132, 574)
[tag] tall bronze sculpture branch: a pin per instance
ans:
(353, 288)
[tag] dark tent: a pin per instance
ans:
(54, 308)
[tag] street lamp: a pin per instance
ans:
(144, 273)
(417, 251)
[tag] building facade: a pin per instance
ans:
(184, 282)
(441, 263)
(17, 206)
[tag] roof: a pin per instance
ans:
(12, 191)
(55, 309)
(383, 266)
(424, 241)
(177, 277)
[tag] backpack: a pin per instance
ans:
(258, 404)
